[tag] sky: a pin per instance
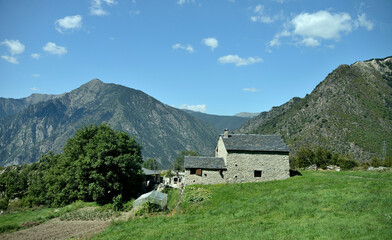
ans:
(218, 57)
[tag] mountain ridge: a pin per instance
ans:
(350, 112)
(45, 126)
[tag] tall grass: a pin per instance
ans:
(317, 205)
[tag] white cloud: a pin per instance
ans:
(276, 40)
(197, 108)
(36, 75)
(54, 49)
(34, 89)
(251, 90)
(363, 22)
(10, 59)
(14, 46)
(312, 28)
(96, 7)
(259, 8)
(180, 2)
(322, 24)
(187, 48)
(261, 17)
(35, 55)
(238, 61)
(68, 23)
(310, 42)
(211, 42)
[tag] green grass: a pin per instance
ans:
(318, 205)
(18, 219)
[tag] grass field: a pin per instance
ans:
(317, 205)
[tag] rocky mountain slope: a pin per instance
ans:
(10, 106)
(349, 112)
(45, 126)
(220, 123)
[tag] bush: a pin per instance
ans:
(375, 162)
(388, 161)
(128, 205)
(323, 158)
(3, 203)
(148, 207)
(117, 203)
(347, 162)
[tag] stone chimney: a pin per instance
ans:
(226, 133)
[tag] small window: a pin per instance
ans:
(257, 173)
(205, 174)
(193, 170)
(236, 165)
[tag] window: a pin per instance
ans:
(196, 171)
(257, 173)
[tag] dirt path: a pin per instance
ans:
(56, 229)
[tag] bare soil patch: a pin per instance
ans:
(56, 229)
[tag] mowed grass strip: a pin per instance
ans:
(317, 205)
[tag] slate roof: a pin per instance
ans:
(255, 143)
(204, 162)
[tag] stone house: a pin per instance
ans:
(240, 158)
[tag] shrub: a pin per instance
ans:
(3, 203)
(117, 203)
(388, 161)
(148, 207)
(375, 162)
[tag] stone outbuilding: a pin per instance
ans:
(240, 158)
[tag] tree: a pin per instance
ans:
(178, 164)
(97, 164)
(388, 161)
(103, 164)
(150, 163)
(375, 161)
(305, 157)
(322, 157)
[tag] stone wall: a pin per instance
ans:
(220, 150)
(241, 167)
(208, 176)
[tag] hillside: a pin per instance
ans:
(349, 112)
(317, 205)
(45, 126)
(220, 123)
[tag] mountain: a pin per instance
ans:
(10, 106)
(349, 112)
(246, 114)
(45, 126)
(220, 123)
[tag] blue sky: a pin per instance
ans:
(219, 57)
